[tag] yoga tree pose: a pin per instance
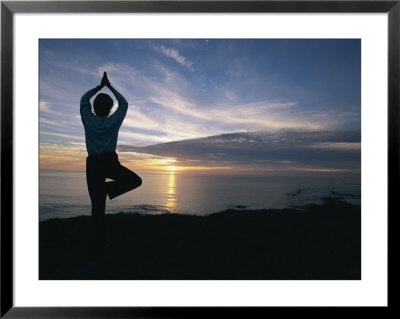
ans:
(101, 135)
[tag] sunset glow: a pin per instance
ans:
(214, 144)
(264, 106)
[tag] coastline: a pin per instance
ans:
(314, 242)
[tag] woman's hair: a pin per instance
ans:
(102, 104)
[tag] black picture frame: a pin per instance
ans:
(9, 8)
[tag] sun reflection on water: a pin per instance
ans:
(171, 192)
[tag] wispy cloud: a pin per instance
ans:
(44, 106)
(178, 115)
(174, 54)
(68, 136)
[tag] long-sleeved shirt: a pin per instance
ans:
(101, 133)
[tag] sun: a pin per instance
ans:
(172, 168)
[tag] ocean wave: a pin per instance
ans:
(66, 210)
(141, 209)
(315, 195)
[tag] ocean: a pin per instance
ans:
(64, 194)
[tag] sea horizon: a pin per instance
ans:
(63, 193)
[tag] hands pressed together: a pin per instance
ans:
(104, 82)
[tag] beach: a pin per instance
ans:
(312, 242)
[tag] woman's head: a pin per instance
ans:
(103, 104)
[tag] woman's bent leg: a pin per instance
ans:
(124, 180)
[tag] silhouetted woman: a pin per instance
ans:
(101, 135)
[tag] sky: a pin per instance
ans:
(198, 105)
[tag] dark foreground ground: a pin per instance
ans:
(321, 242)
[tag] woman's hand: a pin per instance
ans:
(105, 81)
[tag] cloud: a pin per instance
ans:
(174, 54)
(230, 95)
(44, 106)
(47, 108)
(67, 136)
(167, 104)
(257, 115)
(278, 149)
(56, 156)
(172, 92)
(142, 138)
(164, 105)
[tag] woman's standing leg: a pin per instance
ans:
(97, 191)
